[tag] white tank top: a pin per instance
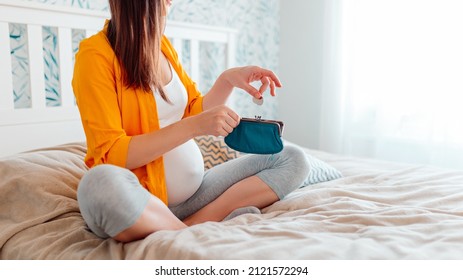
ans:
(184, 165)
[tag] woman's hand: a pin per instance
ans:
(242, 77)
(218, 121)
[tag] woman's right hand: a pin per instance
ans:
(218, 121)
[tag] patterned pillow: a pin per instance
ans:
(214, 150)
(320, 171)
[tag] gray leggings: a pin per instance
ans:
(111, 198)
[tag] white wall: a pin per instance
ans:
(301, 67)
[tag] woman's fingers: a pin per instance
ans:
(265, 83)
(267, 78)
(220, 121)
(272, 76)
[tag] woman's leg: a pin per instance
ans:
(114, 204)
(251, 191)
(251, 180)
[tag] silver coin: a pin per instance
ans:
(258, 101)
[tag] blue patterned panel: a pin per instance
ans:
(212, 57)
(80, 3)
(186, 56)
(51, 66)
(77, 36)
(20, 66)
(86, 4)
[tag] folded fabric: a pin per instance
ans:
(256, 136)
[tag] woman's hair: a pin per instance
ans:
(135, 33)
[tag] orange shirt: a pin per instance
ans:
(111, 113)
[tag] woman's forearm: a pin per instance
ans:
(145, 148)
(218, 94)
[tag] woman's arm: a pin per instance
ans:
(218, 121)
(145, 148)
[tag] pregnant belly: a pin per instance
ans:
(184, 170)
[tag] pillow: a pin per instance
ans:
(320, 171)
(214, 150)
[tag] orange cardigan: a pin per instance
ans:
(111, 113)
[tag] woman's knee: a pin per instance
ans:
(110, 199)
(100, 180)
(294, 167)
(298, 161)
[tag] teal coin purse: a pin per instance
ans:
(256, 136)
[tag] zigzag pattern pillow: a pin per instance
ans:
(320, 171)
(214, 150)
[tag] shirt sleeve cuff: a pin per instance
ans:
(196, 106)
(119, 152)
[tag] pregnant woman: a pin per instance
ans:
(140, 112)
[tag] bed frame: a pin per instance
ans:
(41, 125)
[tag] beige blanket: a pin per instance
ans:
(378, 210)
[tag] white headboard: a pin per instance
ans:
(43, 126)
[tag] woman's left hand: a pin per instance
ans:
(242, 77)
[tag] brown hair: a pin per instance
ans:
(135, 32)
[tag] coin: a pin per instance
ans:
(258, 101)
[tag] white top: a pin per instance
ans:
(184, 165)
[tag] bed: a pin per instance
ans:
(348, 208)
